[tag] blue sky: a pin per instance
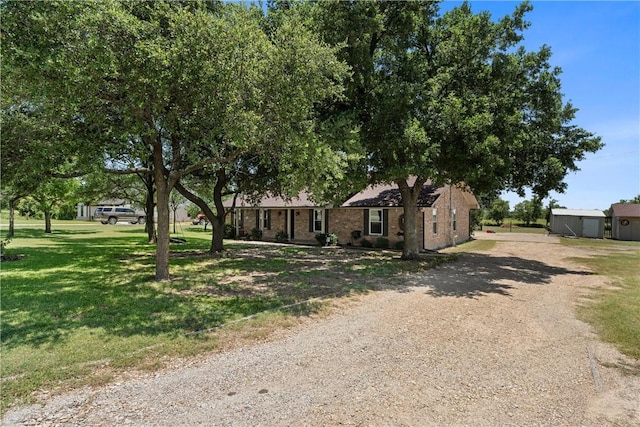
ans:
(597, 45)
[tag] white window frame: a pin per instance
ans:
(454, 220)
(434, 221)
(318, 217)
(371, 222)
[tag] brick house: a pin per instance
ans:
(376, 212)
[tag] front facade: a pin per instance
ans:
(374, 215)
(578, 222)
(625, 221)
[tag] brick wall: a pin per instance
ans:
(343, 221)
(445, 236)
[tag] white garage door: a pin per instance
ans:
(590, 227)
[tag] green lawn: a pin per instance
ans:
(615, 312)
(511, 225)
(81, 304)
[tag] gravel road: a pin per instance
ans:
(491, 339)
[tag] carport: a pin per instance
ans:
(578, 222)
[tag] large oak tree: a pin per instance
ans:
(451, 97)
(183, 85)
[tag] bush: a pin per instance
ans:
(400, 245)
(282, 236)
(3, 244)
(382, 242)
(256, 234)
(229, 231)
(327, 239)
(365, 243)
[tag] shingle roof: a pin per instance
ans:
(625, 209)
(381, 195)
(388, 195)
(578, 212)
(269, 201)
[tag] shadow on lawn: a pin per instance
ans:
(106, 283)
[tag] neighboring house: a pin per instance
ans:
(376, 212)
(578, 222)
(625, 221)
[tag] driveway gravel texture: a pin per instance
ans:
(491, 339)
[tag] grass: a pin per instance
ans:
(614, 312)
(511, 225)
(81, 305)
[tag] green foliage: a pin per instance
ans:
(282, 236)
(528, 211)
(192, 210)
(399, 245)
(3, 244)
(327, 239)
(634, 200)
(382, 242)
(498, 210)
(256, 234)
(476, 216)
(206, 81)
(366, 243)
(553, 204)
(454, 97)
(229, 231)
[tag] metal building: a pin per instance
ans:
(578, 222)
(625, 221)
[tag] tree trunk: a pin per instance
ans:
(205, 210)
(12, 217)
(163, 189)
(150, 226)
(217, 238)
(47, 221)
(217, 241)
(411, 250)
(174, 220)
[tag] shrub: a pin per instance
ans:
(256, 234)
(400, 245)
(327, 239)
(3, 244)
(229, 231)
(382, 242)
(282, 236)
(365, 243)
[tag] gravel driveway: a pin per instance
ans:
(491, 339)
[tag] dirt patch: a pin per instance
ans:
(491, 339)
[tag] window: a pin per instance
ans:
(434, 221)
(317, 221)
(454, 218)
(266, 220)
(375, 221)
